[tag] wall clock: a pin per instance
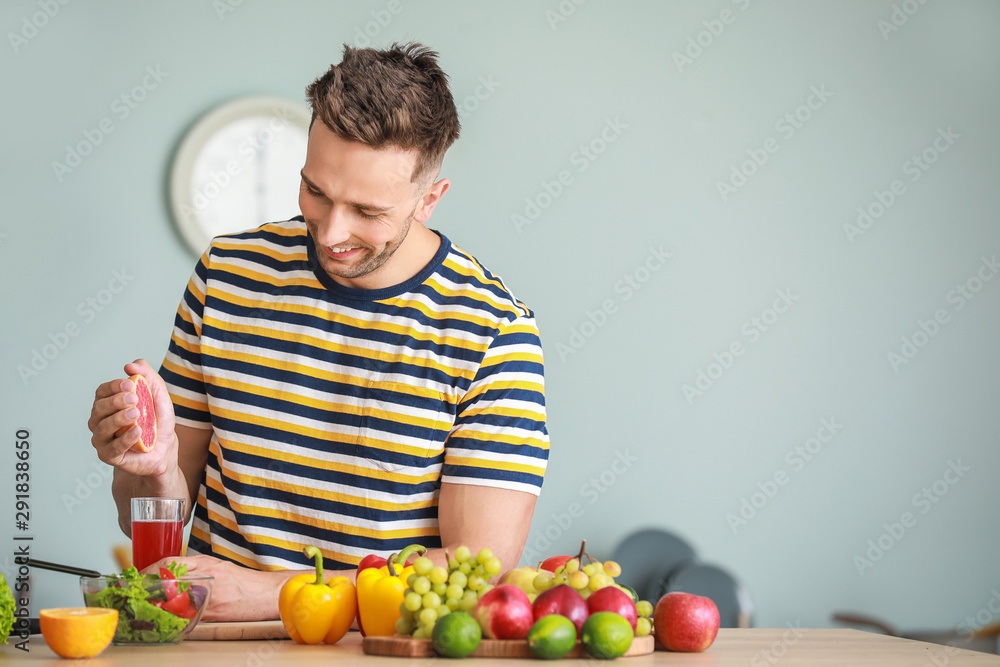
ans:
(238, 167)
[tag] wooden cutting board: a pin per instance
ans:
(238, 631)
(488, 648)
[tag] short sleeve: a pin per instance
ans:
(499, 438)
(181, 369)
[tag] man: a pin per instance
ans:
(347, 378)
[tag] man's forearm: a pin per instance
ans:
(125, 486)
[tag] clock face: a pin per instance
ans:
(239, 168)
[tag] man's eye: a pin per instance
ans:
(369, 217)
(313, 191)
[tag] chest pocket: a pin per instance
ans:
(403, 425)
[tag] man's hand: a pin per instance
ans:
(175, 466)
(239, 593)
(115, 409)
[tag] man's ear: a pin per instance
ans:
(430, 199)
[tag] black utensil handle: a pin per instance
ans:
(56, 567)
(34, 628)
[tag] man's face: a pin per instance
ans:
(358, 204)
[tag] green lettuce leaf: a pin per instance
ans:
(7, 605)
(138, 619)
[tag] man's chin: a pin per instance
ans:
(350, 271)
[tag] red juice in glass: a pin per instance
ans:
(153, 540)
(157, 529)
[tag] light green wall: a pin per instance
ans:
(681, 129)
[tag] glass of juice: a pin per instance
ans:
(157, 529)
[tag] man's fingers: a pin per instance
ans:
(139, 367)
(114, 447)
(113, 421)
(104, 407)
(109, 388)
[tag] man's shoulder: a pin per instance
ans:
(283, 234)
(466, 278)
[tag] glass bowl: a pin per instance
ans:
(151, 611)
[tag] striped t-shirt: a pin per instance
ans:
(337, 412)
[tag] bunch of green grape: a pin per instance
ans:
(591, 577)
(644, 624)
(433, 591)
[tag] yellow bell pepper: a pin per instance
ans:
(381, 591)
(313, 611)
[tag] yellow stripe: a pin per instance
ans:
(505, 412)
(511, 356)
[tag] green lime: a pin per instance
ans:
(606, 635)
(552, 637)
(456, 635)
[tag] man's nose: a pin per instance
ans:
(334, 227)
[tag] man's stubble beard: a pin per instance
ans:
(371, 263)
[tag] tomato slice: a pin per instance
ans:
(181, 606)
(169, 583)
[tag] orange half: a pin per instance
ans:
(78, 632)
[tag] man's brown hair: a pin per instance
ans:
(398, 97)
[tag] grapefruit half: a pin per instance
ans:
(146, 421)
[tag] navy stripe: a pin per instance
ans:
(471, 472)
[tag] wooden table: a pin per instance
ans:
(763, 647)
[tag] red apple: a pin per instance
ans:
(555, 562)
(685, 622)
(505, 613)
(613, 599)
(562, 600)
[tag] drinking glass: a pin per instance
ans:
(157, 529)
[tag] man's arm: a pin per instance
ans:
(484, 516)
(180, 481)
(173, 468)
